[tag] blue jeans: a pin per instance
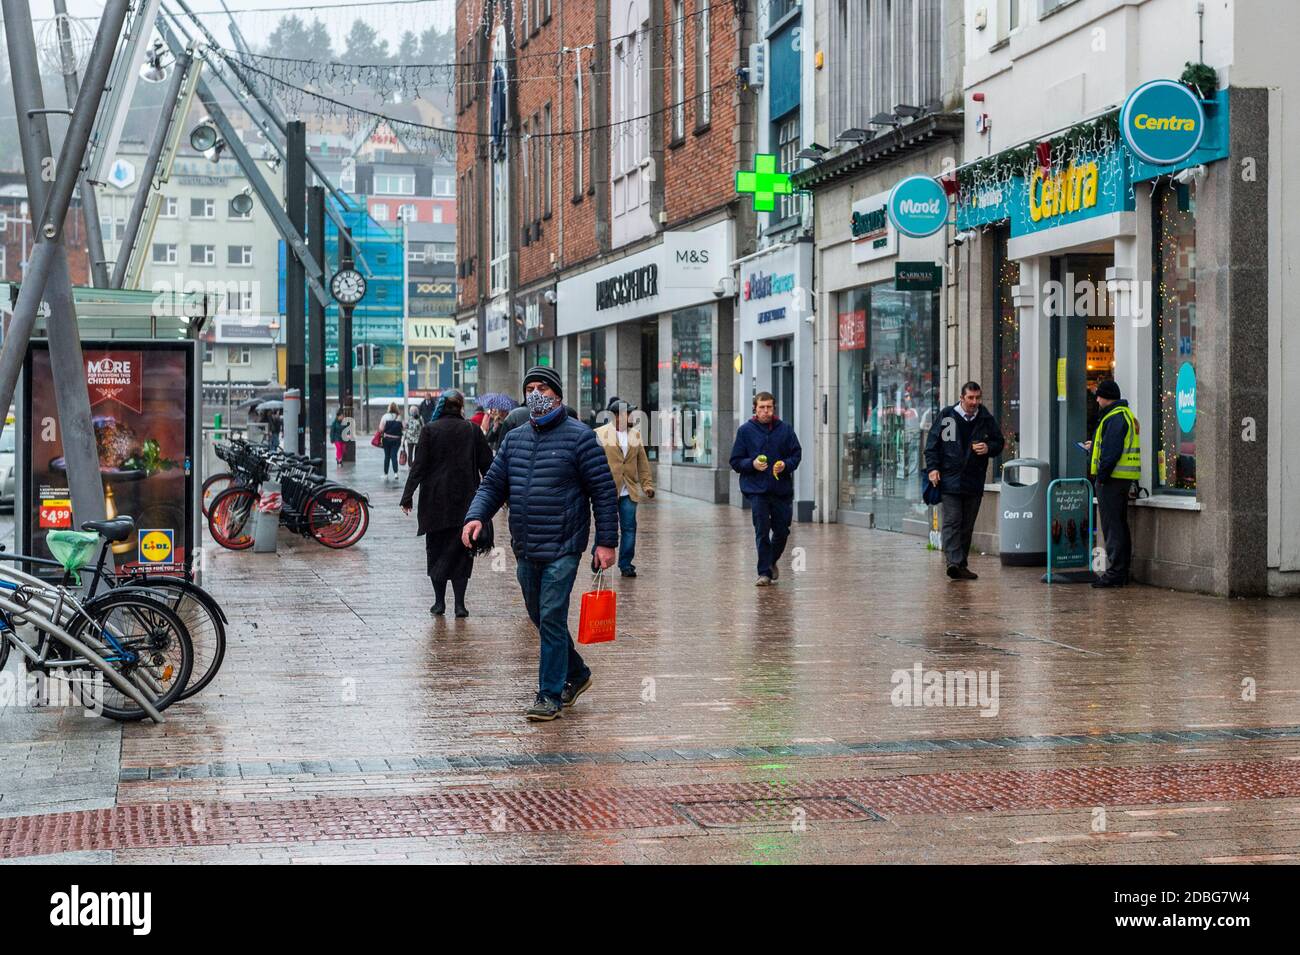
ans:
(626, 531)
(546, 586)
(772, 516)
(390, 454)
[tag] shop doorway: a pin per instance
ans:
(1083, 354)
(650, 386)
(783, 378)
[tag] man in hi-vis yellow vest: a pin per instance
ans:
(1116, 464)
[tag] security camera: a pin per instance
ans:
(723, 288)
(964, 236)
(550, 296)
(1189, 175)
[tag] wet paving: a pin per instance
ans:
(865, 708)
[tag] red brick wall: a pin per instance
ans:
(699, 174)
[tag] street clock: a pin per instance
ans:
(348, 286)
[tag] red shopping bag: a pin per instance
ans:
(597, 618)
(378, 439)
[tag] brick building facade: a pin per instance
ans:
(598, 219)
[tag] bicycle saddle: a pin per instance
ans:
(116, 530)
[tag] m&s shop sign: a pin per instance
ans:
(1162, 122)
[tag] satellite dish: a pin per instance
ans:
(204, 137)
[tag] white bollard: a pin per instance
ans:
(291, 439)
(267, 528)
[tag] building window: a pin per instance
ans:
(240, 302)
(703, 73)
(209, 353)
(547, 155)
(394, 184)
(437, 213)
(233, 213)
(167, 208)
(164, 253)
(203, 209)
(415, 256)
(239, 255)
(443, 186)
(239, 355)
(1006, 345)
(693, 385)
(785, 139)
(526, 171)
(1174, 257)
(203, 255)
(591, 374)
(888, 375)
(679, 69)
(379, 212)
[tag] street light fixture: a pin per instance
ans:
(242, 203)
(204, 136)
(153, 70)
(853, 135)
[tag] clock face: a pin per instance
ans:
(348, 286)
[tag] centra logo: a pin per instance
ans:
(1173, 123)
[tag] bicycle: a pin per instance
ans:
(313, 506)
(136, 642)
(204, 620)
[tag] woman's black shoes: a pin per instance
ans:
(462, 610)
(439, 609)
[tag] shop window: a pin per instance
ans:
(1006, 347)
(591, 374)
(1174, 352)
(888, 374)
(693, 385)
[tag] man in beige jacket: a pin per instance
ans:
(630, 466)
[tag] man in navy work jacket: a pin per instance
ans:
(765, 454)
(962, 439)
(552, 472)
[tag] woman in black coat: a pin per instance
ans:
(452, 457)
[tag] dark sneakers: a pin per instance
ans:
(543, 709)
(954, 572)
(967, 573)
(628, 572)
(571, 692)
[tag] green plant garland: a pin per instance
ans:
(1202, 78)
(1014, 161)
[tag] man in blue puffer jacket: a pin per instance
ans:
(552, 472)
(765, 454)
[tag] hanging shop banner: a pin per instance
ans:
(1162, 122)
(917, 276)
(145, 414)
(466, 335)
(497, 318)
(918, 206)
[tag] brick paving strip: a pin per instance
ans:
(172, 824)
(483, 761)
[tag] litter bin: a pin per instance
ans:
(1022, 517)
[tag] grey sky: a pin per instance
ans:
(257, 18)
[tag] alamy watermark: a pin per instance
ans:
(946, 688)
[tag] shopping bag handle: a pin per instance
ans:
(600, 579)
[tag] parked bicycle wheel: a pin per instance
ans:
(232, 518)
(214, 486)
(142, 639)
(203, 620)
(337, 516)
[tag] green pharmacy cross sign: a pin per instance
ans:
(764, 183)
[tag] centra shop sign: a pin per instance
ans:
(629, 287)
(1162, 122)
(1067, 190)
